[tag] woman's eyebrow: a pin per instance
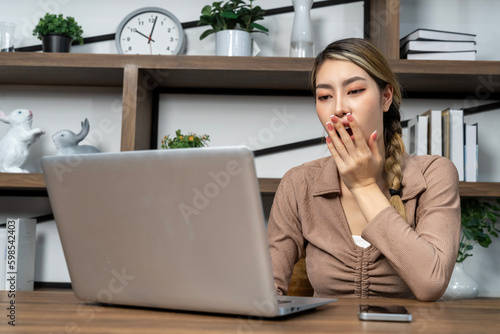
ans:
(351, 80)
(344, 83)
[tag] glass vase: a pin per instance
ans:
(462, 285)
(7, 36)
(301, 42)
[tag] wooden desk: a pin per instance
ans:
(61, 312)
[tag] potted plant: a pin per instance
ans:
(184, 141)
(57, 32)
(479, 225)
(232, 22)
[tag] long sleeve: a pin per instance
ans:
(422, 251)
(285, 234)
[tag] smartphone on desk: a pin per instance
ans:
(384, 313)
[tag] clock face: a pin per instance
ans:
(150, 31)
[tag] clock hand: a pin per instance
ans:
(152, 29)
(140, 33)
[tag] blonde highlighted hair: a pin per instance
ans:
(364, 54)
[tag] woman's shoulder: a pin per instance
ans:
(431, 163)
(431, 170)
(307, 169)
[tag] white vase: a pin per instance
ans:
(462, 285)
(7, 36)
(233, 43)
(301, 42)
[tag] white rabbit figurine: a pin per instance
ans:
(67, 141)
(14, 146)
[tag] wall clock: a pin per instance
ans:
(150, 31)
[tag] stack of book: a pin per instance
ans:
(444, 132)
(438, 45)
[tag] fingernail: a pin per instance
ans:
(334, 119)
(350, 118)
(329, 126)
(375, 135)
(328, 140)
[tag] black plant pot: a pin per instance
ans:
(56, 43)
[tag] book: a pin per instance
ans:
(471, 153)
(434, 132)
(466, 55)
(3, 244)
(445, 132)
(437, 46)
(439, 35)
(20, 258)
(417, 135)
(457, 140)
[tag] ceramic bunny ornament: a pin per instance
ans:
(14, 146)
(67, 141)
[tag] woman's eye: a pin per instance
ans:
(356, 91)
(323, 98)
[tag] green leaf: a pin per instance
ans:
(229, 15)
(206, 33)
(207, 10)
(258, 26)
(468, 234)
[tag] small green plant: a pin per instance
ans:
(233, 14)
(479, 221)
(184, 141)
(57, 24)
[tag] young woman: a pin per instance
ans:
(372, 220)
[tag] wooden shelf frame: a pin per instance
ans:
(141, 77)
(35, 183)
(463, 78)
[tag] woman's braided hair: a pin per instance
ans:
(364, 54)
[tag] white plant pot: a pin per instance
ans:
(233, 43)
(462, 285)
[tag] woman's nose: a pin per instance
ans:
(341, 107)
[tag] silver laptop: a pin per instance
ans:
(179, 229)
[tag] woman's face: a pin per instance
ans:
(343, 87)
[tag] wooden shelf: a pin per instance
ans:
(34, 182)
(22, 182)
(467, 189)
(432, 77)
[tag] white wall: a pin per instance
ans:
(254, 120)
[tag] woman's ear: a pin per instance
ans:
(387, 97)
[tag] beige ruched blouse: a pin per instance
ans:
(406, 259)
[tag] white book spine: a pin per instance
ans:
(20, 258)
(423, 128)
(457, 141)
(436, 145)
(471, 153)
(417, 135)
(3, 245)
